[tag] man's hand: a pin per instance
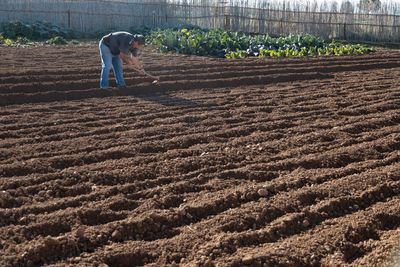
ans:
(141, 71)
(130, 66)
(134, 65)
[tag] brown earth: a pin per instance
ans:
(261, 162)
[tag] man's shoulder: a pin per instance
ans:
(123, 34)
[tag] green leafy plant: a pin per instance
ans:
(58, 40)
(237, 54)
(10, 42)
(22, 40)
(75, 42)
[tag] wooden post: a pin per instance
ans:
(227, 25)
(69, 18)
(344, 31)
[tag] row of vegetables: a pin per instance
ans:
(221, 43)
(14, 33)
(58, 40)
(190, 40)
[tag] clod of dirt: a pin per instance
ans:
(306, 223)
(247, 259)
(116, 234)
(209, 263)
(50, 241)
(262, 192)
(80, 232)
(182, 211)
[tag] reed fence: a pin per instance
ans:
(96, 15)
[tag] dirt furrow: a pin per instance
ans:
(41, 82)
(274, 161)
(122, 127)
(346, 247)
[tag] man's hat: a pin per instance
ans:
(139, 38)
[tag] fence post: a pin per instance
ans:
(69, 18)
(227, 23)
(344, 31)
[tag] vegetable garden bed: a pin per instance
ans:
(227, 44)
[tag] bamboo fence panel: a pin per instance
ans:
(261, 17)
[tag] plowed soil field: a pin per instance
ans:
(260, 162)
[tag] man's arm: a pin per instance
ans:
(133, 63)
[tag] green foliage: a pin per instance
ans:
(75, 42)
(22, 40)
(198, 42)
(34, 31)
(313, 51)
(190, 40)
(14, 33)
(6, 41)
(12, 30)
(237, 54)
(236, 45)
(10, 42)
(58, 40)
(142, 29)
